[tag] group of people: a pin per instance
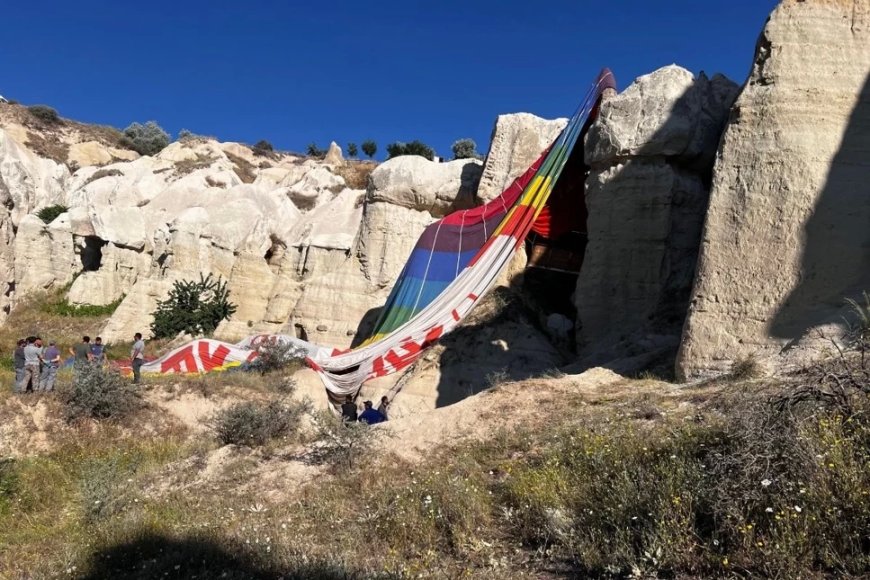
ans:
(36, 366)
(369, 415)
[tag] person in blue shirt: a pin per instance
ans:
(370, 415)
(98, 352)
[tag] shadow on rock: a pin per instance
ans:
(836, 257)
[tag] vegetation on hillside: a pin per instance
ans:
(193, 307)
(50, 213)
(147, 139)
(369, 147)
(465, 149)
(44, 113)
(413, 148)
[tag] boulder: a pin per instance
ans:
(414, 182)
(651, 151)
(517, 141)
(677, 116)
(787, 236)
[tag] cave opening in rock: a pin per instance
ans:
(555, 248)
(92, 253)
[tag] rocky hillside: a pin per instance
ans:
(757, 236)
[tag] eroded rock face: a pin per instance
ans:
(414, 182)
(651, 151)
(517, 141)
(787, 237)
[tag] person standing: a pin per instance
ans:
(382, 408)
(82, 351)
(51, 360)
(138, 356)
(348, 409)
(32, 360)
(18, 358)
(98, 352)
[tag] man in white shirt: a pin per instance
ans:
(138, 355)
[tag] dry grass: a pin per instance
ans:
(244, 169)
(52, 140)
(356, 173)
(101, 173)
(187, 166)
(637, 478)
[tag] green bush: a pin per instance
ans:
(314, 151)
(98, 393)
(276, 356)
(369, 147)
(50, 213)
(352, 150)
(64, 308)
(465, 149)
(253, 424)
(147, 139)
(413, 148)
(44, 113)
(341, 443)
(193, 308)
(262, 148)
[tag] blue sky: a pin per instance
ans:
(295, 73)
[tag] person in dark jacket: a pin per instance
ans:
(348, 409)
(382, 408)
(370, 415)
(18, 357)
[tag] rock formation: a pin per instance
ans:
(517, 140)
(650, 152)
(787, 236)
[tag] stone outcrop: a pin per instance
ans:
(787, 237)
(517, 141)
(650, 151)
(414, 182)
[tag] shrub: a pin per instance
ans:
(252, 423)
(98, 393)
(369, 147)
(193, 308)
(64, 308)
(352, 150)
(340, 443)
(50, 213)
(746, 368)
(314, 151)
(100, 488)
(413, 148)
(465, 149)
(44, 113)
(276, 356)
(147, 139)
(262, 148)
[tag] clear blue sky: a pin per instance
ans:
(295, 73)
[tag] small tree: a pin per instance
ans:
(44, 113)
(314, 151)
(193, 308)
(415, 147)
(50, 213)
(369, 147)
(351, 150)
(262, 148)
(465, 149)
(147, 139)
